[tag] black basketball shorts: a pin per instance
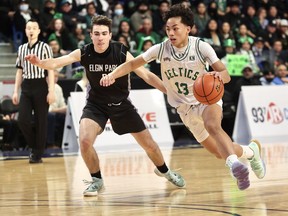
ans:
(123, 116)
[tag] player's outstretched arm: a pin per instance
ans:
(131, 64)
(54, 63)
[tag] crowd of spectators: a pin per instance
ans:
(257, 28)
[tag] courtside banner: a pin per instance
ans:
(6, 88)
(262, 114)
(151, 107)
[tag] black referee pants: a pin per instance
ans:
(33, 112)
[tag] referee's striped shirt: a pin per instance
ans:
(40, 49)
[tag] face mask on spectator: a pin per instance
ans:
(142, 11)
(269, 79)
(48, 9)
(24, 7)
(118, 12)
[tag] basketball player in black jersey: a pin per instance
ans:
(100, 58)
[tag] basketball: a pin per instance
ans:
(207, 89)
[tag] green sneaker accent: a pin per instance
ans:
(173, 177)
(257, 164)
(95, 186)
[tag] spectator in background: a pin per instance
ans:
(142, 11)
(54, 44)
(146, 44)
(245, 49)
(226, 32)
(70, 16)
(267, 78)
(281, 75)
(234, 15)
(49, 12)
(211, 35)
(118, 15)
(212, 10)
(222, 9)
(122, 39)
(22, 15)
(260, 52)
(57, 29)
(145, 31)
(157, 17)
(272, 13)
(262, 22)
(79, 36)
(277, 55)
(271, 33)
(201, 17)
(91, 11)
(249, 20)
(243, 36)
(6, 15)
(247, 79)
(56, 117)
(154, 66)
(230, 48)
(129, 8)
(125, 30)
(283, 33)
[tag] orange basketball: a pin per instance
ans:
(207, 89)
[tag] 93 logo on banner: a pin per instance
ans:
(272, 114)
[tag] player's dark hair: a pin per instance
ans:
(179, 10)
(101, 20)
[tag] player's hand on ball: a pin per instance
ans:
(216, 74)
(107, 80)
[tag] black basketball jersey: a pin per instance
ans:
(98, 64)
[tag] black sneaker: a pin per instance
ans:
(35, 159)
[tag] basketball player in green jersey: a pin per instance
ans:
(100, 58)
(183, 58)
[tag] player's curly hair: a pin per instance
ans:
(179, 10)
(101, 20)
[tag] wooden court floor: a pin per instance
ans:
(55, 187)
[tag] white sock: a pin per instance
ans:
(231, 159)
(247, 152)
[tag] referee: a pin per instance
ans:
(37, 92)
